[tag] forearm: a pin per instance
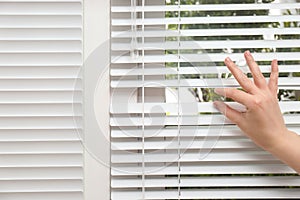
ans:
(288, 150)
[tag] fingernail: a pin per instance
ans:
(218, 90)
(247, 53)
(216, 104)
(227, 59)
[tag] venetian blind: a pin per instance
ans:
(40, 57)
(167, 140)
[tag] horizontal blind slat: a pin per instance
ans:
(209, 182)
(206, 32)
(156, 144)
(206, 20)
(209, 57)
(41, 55)
(206, 7)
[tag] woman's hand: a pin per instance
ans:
(262, 121)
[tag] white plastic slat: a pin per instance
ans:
(195, 70)
(191, 143)
(39, 122)
(210, 168)
(204, 83)
(206, 20)
(191, 131)
(37, 72)
(53, 109)
(43, 58)
(224, 181)
(41, 84)
(16, 34)
(206, 7)
(13, 135)
(39, 1)
(41, 173)
(240, 193)
(40, 159)
(40, 46)
(177, 153)
(209, 45)
(40, 185)
(39, 7)
(206, 32)
(46, 195)
(40, 97)
(207, 57)
(31, 147)
(123, 108)
(185, 120)
(40, 58)
(241, 155)
(40, 21)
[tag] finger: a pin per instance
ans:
(273, 82)
(241, 78)
(229, 112)
(235, 94)
(258, 77)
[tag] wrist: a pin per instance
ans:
(281, 142)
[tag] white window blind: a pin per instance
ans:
(40, 57)
(167, 140)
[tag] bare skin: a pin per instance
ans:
(262, 121)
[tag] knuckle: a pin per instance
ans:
(257, 102)
(258, 75)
